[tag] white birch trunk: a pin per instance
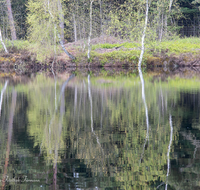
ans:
(3, 42)
(143, 35)
(170, 5)
(90, 33)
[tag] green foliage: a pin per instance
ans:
(43, 20)
(18, 44)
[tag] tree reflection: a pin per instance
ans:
(98, 132)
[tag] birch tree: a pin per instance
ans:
(143, 35)
(90, 33)
(3, 42)
(44, 19)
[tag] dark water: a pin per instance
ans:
(105, 132)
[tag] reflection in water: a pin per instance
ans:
(10, 130)
(146, 109)
(94, 133)
(169, 148)
(2, 92)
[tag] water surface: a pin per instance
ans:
(100, 132)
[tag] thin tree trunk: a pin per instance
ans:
(90, 33)
(61, 18)
(170, 5)
(10, 129)
(101, 29)
(161, 30)
(143, 35)
(75, 31)
(165, 23)
(3, 42)
(11, 20)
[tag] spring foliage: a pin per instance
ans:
(43, 19)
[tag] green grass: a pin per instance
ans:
(120, 56)
(178, 46)
(185, 45)
(18, 44)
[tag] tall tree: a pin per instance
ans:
(11, 20)
(90, 33)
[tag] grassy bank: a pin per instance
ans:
(118, 53)
(156, 53)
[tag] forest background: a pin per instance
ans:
(41, 25)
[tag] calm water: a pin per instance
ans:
(100, 132)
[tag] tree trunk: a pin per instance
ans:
(75, 31)
(11, 20)
(143, 35)
(161, 30)
(90, 33)
(170, 5)
(101, 29)
(61, 18)
(3, 42)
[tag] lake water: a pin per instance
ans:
(100, 131)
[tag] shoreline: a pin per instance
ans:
(22, 60)
(111, 52)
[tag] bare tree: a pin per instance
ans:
(11, 20)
